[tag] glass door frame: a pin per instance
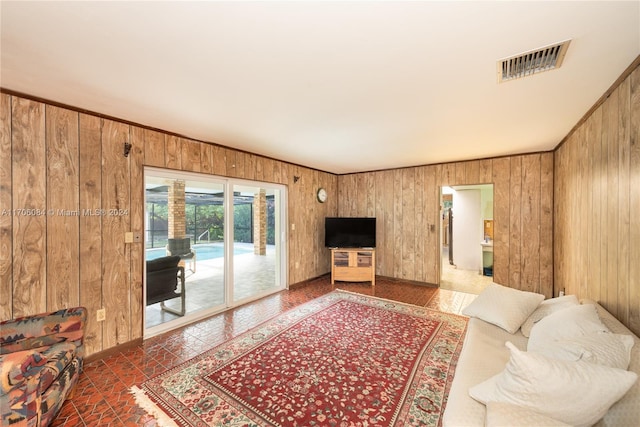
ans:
(228, 184)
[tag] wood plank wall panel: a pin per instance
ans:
(398, 221)
(90, 196)
(431, 259)
(259, 167)
(624, 229)
(612, 142)
(136, 215)
(485, 172)
(250, 167)
(634, 201)
(329, 208)
(408, 227)
(546, 225)
(593, 129)
(501, 213)
(116, 261)
(206, 161)
(230, 157)
(383, 222)
(420, 208)
(218, 155)
(190, 151)
(597, 241)
(241, 160)
(460, 173)
(530, 214)
(63, 208)
(6, 215)
(515, 221)
(154, 146)
(29, 199)
(472, 172)
(173, 152)
(448, 174)
(581, 202)
(295, 205)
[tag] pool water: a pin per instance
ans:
(203, 252)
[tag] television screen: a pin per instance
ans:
(350, 232)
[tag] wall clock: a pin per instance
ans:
(322, 195)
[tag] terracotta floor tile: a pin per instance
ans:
(103, 397)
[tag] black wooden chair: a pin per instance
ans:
(182, 248)
(162, 282)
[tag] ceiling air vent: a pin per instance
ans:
(532, 62)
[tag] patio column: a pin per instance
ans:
(177, 214)
(260, 223)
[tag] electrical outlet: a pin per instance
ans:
(101, 315)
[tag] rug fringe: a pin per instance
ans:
(143, 401)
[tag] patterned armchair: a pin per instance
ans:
(40, 363)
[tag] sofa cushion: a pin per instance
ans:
(564, 324)
(505, 307)
(17, 368)
(603, 348)
(546, 308)
(58, 356)
(483, 355)
(501, 414)
(550, 387)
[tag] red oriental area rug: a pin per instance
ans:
(340, 360)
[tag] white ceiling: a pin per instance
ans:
(338, 86)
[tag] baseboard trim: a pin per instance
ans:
(120, 348)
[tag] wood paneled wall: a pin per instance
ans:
(597, 206)
(406, 203)
(56, 165)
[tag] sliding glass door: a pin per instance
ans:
(256, 241)
(218, 241)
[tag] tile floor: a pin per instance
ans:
(253, 274)
(102, 396)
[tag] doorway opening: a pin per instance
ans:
(466, 236)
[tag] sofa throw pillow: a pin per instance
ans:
(502, 414)
(603, 348)
(550, 387)
(505, 307)
(571, 322)
(546, 308)
(547, 386)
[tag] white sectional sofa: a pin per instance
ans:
(558, 382)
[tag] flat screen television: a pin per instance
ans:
(350, 232)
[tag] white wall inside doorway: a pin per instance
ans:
(467, 229)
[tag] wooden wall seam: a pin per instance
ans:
(6, 209)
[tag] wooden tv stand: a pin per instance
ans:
(353, 265)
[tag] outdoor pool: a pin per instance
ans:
(203, 252)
